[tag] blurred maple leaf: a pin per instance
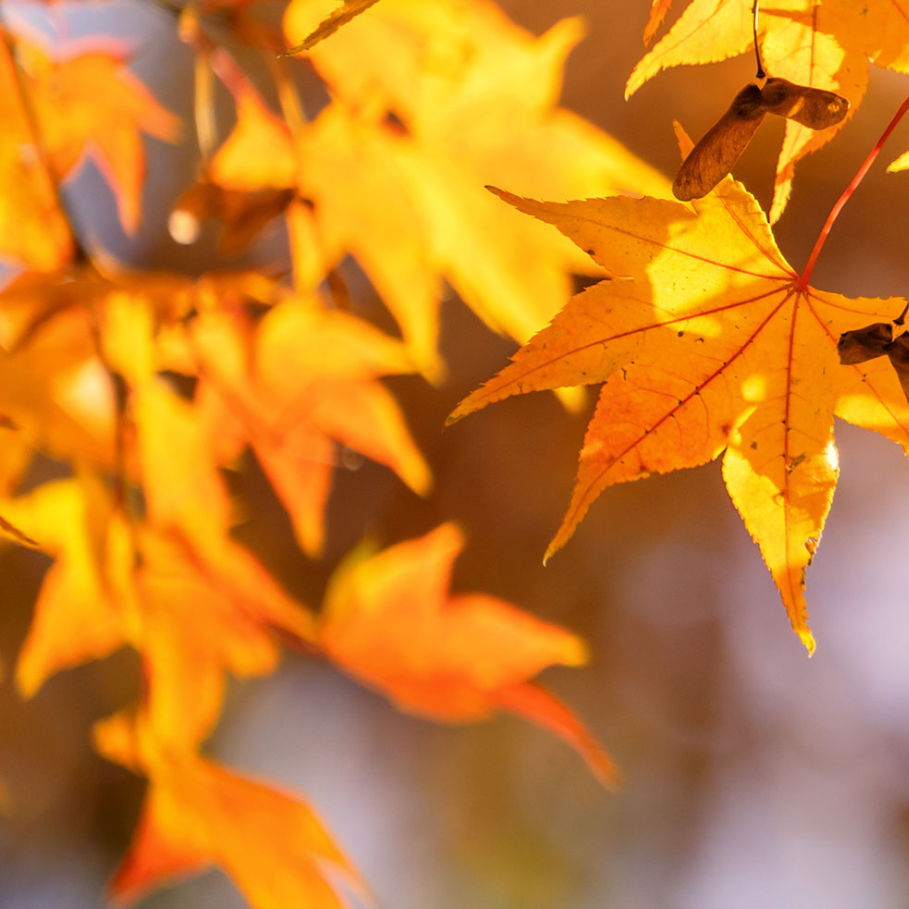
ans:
(197, 813)
(658, 10)
(712, 343)
(56, 389)
(824, 45)
(191, 613)
(34, 231)
(394, 166)
(148, 386)
(390, 621)
(301, 381)
(90, 105)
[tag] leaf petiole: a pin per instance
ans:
(755, 11)
(805, 276)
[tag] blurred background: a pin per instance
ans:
(753, 776)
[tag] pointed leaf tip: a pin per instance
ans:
(14, 531)
(807, 638)
(537, 704)
(348, 10)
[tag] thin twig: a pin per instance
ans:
(755, 10)
(805, 276)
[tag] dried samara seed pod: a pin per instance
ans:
(898, 354)
(714, 156)
(812, 107)
(863, 344)
(877, 340)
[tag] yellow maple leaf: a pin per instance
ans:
(390, 621)
(57, 389)
(304, 379)
(52, 385)
(712, 344)
(202, 617)
(192, 612)
(75, 617)
(396, 163)
(197, 813)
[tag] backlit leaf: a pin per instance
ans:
(658, 10)
(33, 231)
(303, 381)
(196, 814)
(76, 618)
(414, 135)
(711, 344)
(391, 622)
(91, 105)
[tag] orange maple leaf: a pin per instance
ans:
(65, 332)
(90, 105)
(658, 10)
(197, 814)
(75, 618)
(390, 621)
(52, 385)
(34, 231)
(192, 613)
(712, 343)
(295, 385)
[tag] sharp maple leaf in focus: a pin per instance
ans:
(823, 44)
(711, 344)
(391, 622)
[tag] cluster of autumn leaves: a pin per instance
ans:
(151, 385)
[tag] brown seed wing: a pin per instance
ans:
(715, 155)
(898, 352)
(812, 107)
(864, 343)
